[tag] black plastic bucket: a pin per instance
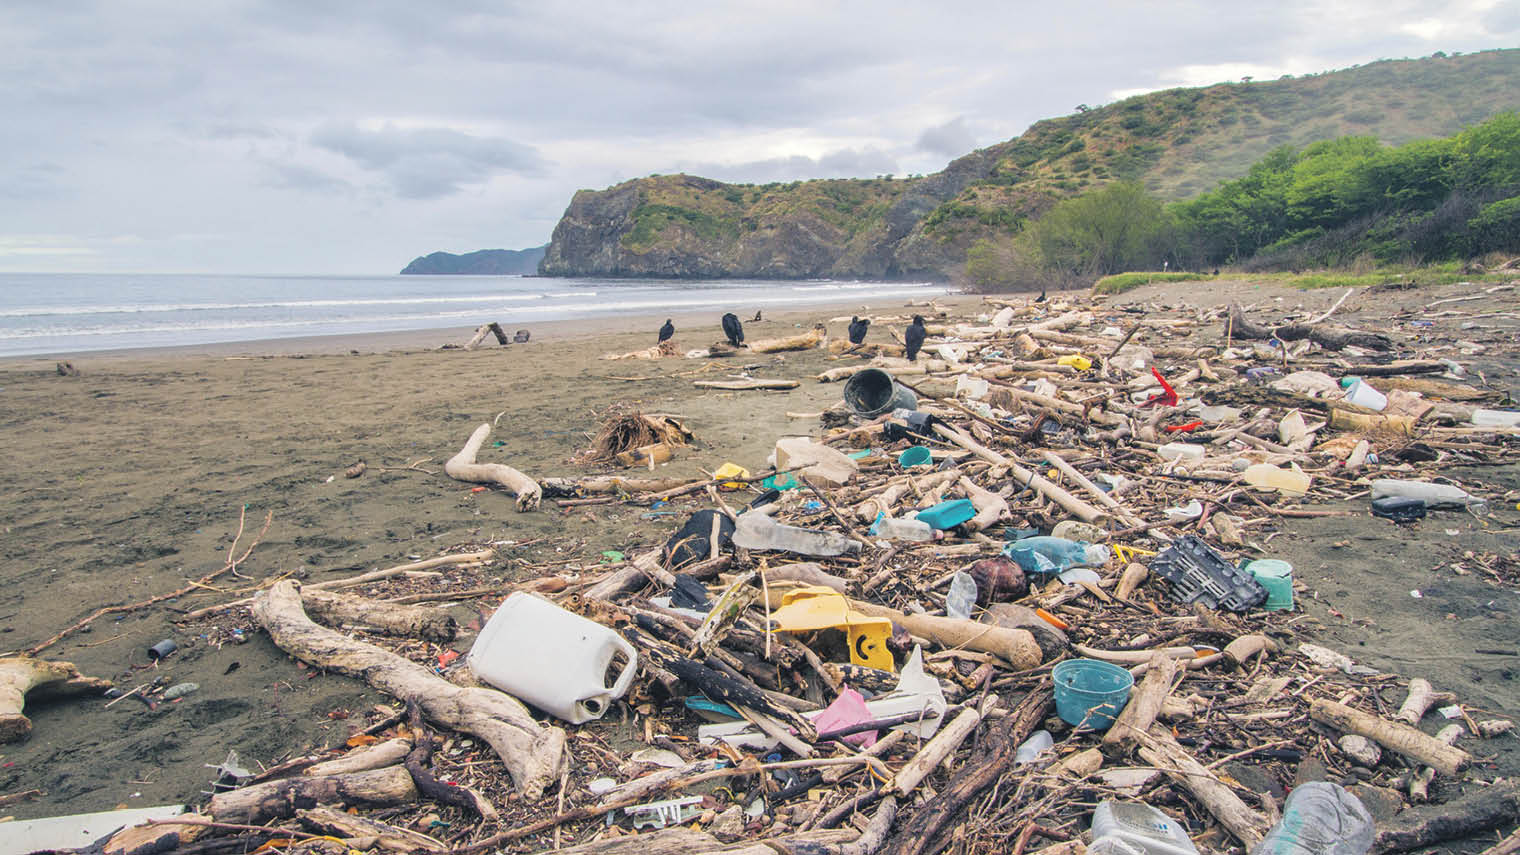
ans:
(873, 391)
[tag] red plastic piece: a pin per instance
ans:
(1168, 397)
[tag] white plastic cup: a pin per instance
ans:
(1364, 395)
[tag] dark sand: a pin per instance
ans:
(125, 481)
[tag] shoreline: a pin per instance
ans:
(690, 323)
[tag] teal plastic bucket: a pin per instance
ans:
(1277, 577)
(1090, 693)
(946, 515)
(873, 391)
(915, 456)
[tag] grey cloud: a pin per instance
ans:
(428, 163)
(951, 139)
(290, 176)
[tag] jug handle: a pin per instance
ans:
(625, 679)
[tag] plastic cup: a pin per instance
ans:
(1090, 693)
(917, 455)
(1277, 577)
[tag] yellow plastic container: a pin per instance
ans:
(818, 607)
(1081, 363)
(732, 470)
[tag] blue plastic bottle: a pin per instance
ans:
(1046, 554)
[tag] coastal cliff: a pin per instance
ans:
(1178, 143)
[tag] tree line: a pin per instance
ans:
(1329, 204)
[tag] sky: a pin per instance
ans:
(322, 137)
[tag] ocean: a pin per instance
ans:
(64, 313)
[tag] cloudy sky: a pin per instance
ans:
(325, 137)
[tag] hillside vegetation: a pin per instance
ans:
(1175, 144)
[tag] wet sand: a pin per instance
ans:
(127, 480)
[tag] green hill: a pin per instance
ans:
(1179, 143)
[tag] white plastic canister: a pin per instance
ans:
(555, 660)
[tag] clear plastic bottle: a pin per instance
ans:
(1029, 751)
(961, 597)
(1140, 826)
(757, 531)
(1435, 495)
(894, 528)
(1319, 818)
(1184, 450)
(1046, 554)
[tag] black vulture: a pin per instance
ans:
(1041, 298)
(733, 330)
(914, 336)
(667, 331)
(858, 329)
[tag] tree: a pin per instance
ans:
(1118, 227)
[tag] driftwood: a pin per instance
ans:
(1460, 818)
(1326, 337)
(278, 799)
(377, 756)
(940, 746)
(1420, 698)
(741, 385)
(1445, 759)
(462, 467)
(919, 834)
(802, 341)
(1144, 705)
(20, 675)
(1016, 646)
(360, 829)
(1160, 749)
(533, 753)
(492, 328)
(153, 838)
(389, 618)
(1075, 506)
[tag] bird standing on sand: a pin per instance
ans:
(858, 329)
(733, 330)
(1041, 298)
(914, 336)
(666, 331)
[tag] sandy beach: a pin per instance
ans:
(128, 479)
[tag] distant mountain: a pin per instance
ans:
(1179, 143)
(484, 262)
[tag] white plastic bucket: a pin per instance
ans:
(555, 660)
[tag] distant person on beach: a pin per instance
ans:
(756, 318)
(914, 336)
(733, 330)
(666, 331)
(858, 329)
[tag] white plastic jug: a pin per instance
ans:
(555, 660)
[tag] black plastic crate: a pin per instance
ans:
(1199, 574)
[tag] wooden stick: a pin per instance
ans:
(1397, 736)
(939, 747)
(1144, 704)
(1420, 698)
(1161, 750)
(1082, 481)
(1078, 508)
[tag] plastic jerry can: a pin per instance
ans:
(1142, 827)
(555, 660)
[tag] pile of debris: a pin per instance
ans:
(1018, 599)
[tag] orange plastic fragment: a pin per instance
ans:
(1051, 619)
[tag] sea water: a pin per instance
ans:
(57, 313)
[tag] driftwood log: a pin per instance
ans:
(157, 837)
(1326, 337)
(1446, 759)
(1160, 749)
(279, 799)
(1144, 705)
(492, 328)
(389, 618)
(21, 675)
(919, 834)
(802, 341)
(1460, 818)
(534, 754)
(362, 830)
(741, 385)
(377, 756)
(462, 467)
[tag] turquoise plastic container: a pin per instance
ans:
(948, 514)
(1090, 693)
(916, 455)
(1277, 577)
